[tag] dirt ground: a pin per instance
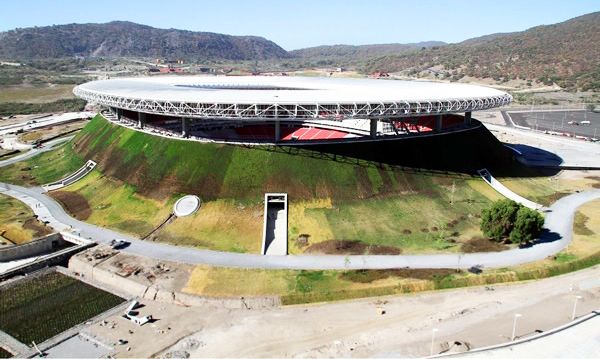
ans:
(333, 246)
(475, 317)
(49, 132)
(74, 203)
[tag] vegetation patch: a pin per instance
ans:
(369, 276)
(41, 306)
(21, 108)
(481, 244)
(44, 168)
(579, 225)
(17, 222)
(5, 354)
(333, 246)
(76, 204)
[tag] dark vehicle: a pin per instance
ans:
(118, 244)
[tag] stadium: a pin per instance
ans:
(290, 111)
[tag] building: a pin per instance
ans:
(294, 111)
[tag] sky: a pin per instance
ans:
(305, 23)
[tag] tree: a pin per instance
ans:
(528, 226)
(498, 221)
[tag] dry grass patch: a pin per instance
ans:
(36, 94)
(17, 222)
(219, 225)
(334, 246)
(480, 244)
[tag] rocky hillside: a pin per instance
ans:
(566, 53)
(349, 53)
(119, 38)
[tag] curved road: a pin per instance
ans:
(35, 151)
(557, 235)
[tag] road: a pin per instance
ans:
(571, 153)
(35, 151)
(557, 235)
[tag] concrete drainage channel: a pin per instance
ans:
(72, 178)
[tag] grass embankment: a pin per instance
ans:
(43, 168)
(36, 309)
(372, 208)
(17, 222)
(547, 190)
(295, 286)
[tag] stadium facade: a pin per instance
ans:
(291, 111)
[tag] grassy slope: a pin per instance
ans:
(17, 222)
(310, 286)
(140, 176)
(46, 167)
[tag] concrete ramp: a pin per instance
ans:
(275, 226)
(72, 178)
(506, 192)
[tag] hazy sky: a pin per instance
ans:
(297, 24)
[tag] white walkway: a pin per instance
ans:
(506, 192)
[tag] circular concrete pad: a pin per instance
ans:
(186, 205)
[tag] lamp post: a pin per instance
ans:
(433, 331)
(577, 297)
(514, 331)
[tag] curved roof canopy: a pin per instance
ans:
(260, 97)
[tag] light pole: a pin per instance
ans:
(433, 331)
(577, 297)
(514, 331)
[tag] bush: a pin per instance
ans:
(508, 219)
(528, 226)
(498, 221)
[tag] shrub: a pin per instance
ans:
(498, 221)
(528, 226)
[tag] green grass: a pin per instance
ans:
(36, 309)
(46, 167)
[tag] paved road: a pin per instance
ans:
(35, 151)
(557, 235)
(560, 151)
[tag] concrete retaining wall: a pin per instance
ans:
(37, 247)
(129, 287)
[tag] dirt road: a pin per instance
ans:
(474, 316)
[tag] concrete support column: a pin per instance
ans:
(468, 118)
(277, 131)
(141, 119)
(185, 127)
(119, 114)
(438, 123)
(373, 128)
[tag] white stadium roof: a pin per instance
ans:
(287, 96)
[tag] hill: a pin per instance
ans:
(121, 38)
(566, 53)
(342, 204)
(346, 54)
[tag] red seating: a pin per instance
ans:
(267, 132)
